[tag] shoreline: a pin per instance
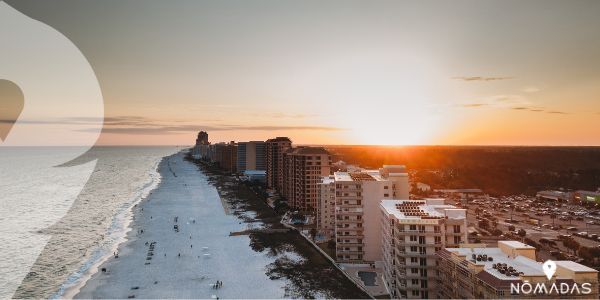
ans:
(235, 239)
(161, 261)
(68, 290)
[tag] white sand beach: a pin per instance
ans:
(158, 261)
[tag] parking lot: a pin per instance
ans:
(545, 222)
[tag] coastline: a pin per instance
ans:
(236, 238)
(72, 286)
(157, 261)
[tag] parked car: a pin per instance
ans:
(572, 228)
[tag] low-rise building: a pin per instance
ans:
(587, 197)
(554, 195)
(476, 271)
(412, 232)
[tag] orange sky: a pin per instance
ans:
(341, 72)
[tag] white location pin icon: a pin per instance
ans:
(549, 268)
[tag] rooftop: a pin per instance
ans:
(327, 179)
(422, 209)
(362, 175)
(499, 264)
(310, 150)
(280, 139)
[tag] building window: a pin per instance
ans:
(456, 228)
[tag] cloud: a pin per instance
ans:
(481, 78)
(513, 102)
(472, 105)
(499, 101)
(147, 126)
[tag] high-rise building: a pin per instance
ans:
(275, 150)
(326, 207)
(202, 138)
(303, 169)
(251, 156)
(412, 232)
(348, 209)
(476, 271)
(357, 213)
(226, 156)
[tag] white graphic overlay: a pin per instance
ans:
(549, 268)
(59, 119)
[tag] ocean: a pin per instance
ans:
(59, 216)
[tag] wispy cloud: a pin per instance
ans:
(512, 102)
(499, 101)
(540, 109)
(481, 78)
(147, 126)
(474, 105)
(163, 130)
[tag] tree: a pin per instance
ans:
(484, 224)
(511, 227)
(572, 244)
(313, 233)
(522, 233)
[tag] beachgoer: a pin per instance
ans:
(178, 254)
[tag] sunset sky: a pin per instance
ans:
(340, 72)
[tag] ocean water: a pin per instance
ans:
(59, 216)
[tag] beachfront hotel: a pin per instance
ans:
(412, 232)
(326, 207)
(226, 156)
(275, 149)
(476, 271)
(303, 168)
(251, 156)
(357, 214)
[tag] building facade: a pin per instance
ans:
(476, 271)
(357, 213)
(275, 151)
(303, 169)
(251, 156)
(412, 232)
(226, 156)
(202, 138)
(326, 207)
(348, 209)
